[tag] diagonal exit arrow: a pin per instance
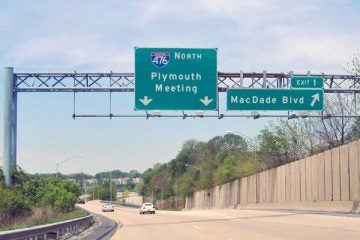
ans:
(146, 100)
(315, 97)
(206, 101)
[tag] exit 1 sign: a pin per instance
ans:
(307, 82)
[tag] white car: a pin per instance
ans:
(147, 208)
(107, 207)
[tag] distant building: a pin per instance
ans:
(123, 181)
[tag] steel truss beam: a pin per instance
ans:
(125, 82)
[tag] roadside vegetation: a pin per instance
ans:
(98, 186)
(36, 201)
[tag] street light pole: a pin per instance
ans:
(63, 161)
(152, 196)
(110, 188)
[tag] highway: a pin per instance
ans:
(229, 224)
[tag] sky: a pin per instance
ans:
(99, 36)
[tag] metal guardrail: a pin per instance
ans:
(48, 231)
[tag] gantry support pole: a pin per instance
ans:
(10, 123)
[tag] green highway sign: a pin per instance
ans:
(176, 79)
(275, 99)
(307, 82)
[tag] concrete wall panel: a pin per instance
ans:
(314, 178)
(243, 191)
(302, 180)
(308, 180)
(278, 186)
(292, 182)
(297, 181)
(260, 187)
(283, 184)
(321, 176)
(354, 170)
(253, 188)
(272, 182)
(234, 191)
(248, 190)
(344, 173)
(328, 176)
(266, 186)
(287, 183)
(335, 164)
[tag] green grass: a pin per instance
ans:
(77, 213)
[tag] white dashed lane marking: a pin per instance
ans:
(197, 228)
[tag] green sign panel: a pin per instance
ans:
(307, 82)
(175, 79)
(275, 99)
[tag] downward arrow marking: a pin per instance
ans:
(145, 101)
(206, 101)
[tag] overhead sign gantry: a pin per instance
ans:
(206, 97)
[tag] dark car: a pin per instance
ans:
(81, 201)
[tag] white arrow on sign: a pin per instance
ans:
(206, 101)
(145, 101)
(315, 97)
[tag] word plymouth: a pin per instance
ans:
(175, 76)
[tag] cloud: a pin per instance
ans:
(4, 23)
(72, 51)
(329, 52)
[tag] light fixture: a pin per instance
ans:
(199, 114)
(292, 116)
(255, 114)
(328, 115)
(304, 114)
(156, 113)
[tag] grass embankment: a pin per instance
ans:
(42, 217)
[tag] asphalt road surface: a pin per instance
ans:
(226, 224)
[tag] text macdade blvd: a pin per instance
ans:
(267, 100)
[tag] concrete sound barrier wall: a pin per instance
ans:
(328, 181)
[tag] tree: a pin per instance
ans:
(297, 138)
(354, 68)
(229, 169)
(186, 185)
(273, 148)
(333, 131)
(354, 132)
(229, 143)
(133, 174)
